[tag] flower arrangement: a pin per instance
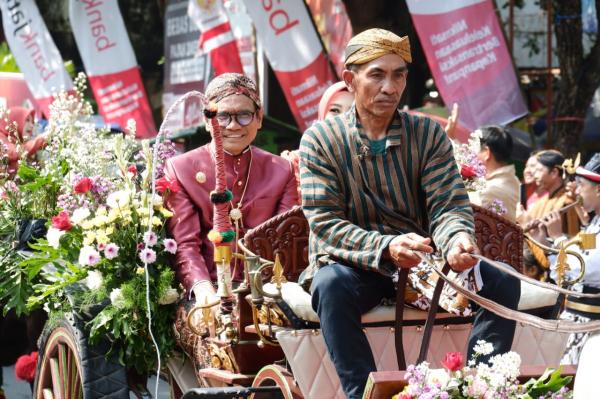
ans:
(471, 168)
(497, 206)
(494, 379)
(106, 242)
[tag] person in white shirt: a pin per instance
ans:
(502, 183)
(582, 348)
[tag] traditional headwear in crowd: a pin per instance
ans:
(328, 97)
(228, 84)
(18, 116)
(591, 170)
(375, 43)
(551, 159)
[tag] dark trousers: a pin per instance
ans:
(341, 294)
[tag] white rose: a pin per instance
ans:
(169, 297)
(94, 280)
(53, 236)
(117, 299)
(79, 215)
(118, 199)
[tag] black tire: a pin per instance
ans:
(80, 371)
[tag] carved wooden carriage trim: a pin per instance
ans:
(286, 235)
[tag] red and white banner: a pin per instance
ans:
(468, 58)
(295, 54)
(34, 50)
(334, 27)
(110, 64)
(216, 38)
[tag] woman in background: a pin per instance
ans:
(335, 101)
(16, 130)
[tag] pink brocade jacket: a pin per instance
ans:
(270, 190)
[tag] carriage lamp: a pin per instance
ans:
(253, 268)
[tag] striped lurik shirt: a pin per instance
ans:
(356, 202)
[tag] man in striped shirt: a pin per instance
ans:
(376, 185)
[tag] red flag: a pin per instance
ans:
(216, 38)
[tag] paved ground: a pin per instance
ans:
(13, 388)
(16, 389)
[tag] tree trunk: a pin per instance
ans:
(579, 76)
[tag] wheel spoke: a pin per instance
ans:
(57, 387)
(63, 362)
(47, 393)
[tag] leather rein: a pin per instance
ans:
(563, 326)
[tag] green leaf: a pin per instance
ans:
(27, 173)
(550, 381)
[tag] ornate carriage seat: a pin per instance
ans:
(286, 235)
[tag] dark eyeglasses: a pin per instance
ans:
(243, 118)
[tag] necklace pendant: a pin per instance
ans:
(235, 214)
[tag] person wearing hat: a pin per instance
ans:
(377, 186)
(263, 184)
(582, 309)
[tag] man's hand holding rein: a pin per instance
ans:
(401, 250)
(459, 256)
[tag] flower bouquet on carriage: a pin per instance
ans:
(497, 378)
(105, 255)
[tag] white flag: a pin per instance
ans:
(216, 36)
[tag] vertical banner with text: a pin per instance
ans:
(216, 37)
(468, 58)
(110, 64)
(334, 27)
(34, 51)
(295, 54)
(185, 68)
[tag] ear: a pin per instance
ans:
(207, 124)
(348, 77)
(259, 118)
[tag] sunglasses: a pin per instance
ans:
(243, 118)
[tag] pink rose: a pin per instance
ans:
(453, 361)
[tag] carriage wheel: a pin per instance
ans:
(69, 368)
(274, 375)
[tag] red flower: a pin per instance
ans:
(467, 171)
(83, 186)
(61, 221)
(25, 367)
(132, 169)
(453, 361)
(164, 185)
